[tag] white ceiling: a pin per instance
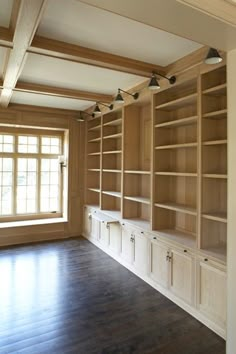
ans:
(174, 17)
(2, 60)
(78, 23)
(61, 73)
(5, 12)
(49, 101)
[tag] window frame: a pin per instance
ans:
(39, 132)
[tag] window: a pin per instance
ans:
(30, 174)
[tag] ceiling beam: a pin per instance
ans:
(15, 14)
(29, 15)
(62, 92)
(71, 52)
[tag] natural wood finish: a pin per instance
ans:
(6, 37)
(61, 50)
(63, 121)
(211, 291)
(24, 32)
(61, 92)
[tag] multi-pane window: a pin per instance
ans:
(30, 174)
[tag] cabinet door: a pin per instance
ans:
(87, 222)
(140, 252)
(182, 275)
(104, 234)
(115, 238)
(127, 245)
(212, 292)
(159, 264)
(95, 228)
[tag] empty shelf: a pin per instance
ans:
(178, 122)
(138, 199)
(177, 207)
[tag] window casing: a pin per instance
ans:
(31, 178)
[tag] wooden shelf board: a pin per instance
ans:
(113, 122)
(113, 136)
(138, 199)
(94, 154)
(94, 169)
(176, 146)
(220, 114)
(94, 140)
(218, 90)
(219, 252)
(112, 171)
(138, 172)
(180, 174)
(177, 207)
(184, 238)
(116, 214)
(215, 216)
(215, 142)
(179, 102)
(97, 127)
(112, 152)
(215, 175)
(113, 193)
(141, 223)
(178, 122)
(94, 190)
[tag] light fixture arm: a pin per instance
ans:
(134, 95)
(172, 79)
(110, 106)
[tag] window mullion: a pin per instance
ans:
(15, 173)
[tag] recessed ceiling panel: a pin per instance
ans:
(78, 23)
(61, 73)
(5, 12)
(49, 101)
(3, 52)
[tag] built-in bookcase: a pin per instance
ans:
(161, 161)
(175, 162)
(213, 236)
(112, 160)
(137, 161)
(93, 164)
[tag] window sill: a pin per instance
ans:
(32, 222)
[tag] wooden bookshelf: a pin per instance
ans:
(213, 235)
(175, 162)
(161, 161)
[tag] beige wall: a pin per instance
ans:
(231, 263)
(51, 118)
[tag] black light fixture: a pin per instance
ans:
(154, 84)
(97, 110)
(213, 57)
(81, 118)
(119, 99)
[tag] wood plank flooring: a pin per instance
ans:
(70, 297)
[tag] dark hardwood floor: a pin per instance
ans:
(70, 297)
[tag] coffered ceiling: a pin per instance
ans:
(70, 54)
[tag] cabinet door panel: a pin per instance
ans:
(104, 234)
(95, 228)
(87, 222)
(212, 292)
(182, 273)
(127, 246)
(159, 264)
(115, 238)
(140, 253)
